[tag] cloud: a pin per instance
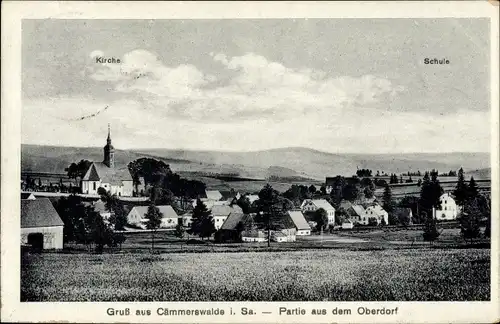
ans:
(256, 87)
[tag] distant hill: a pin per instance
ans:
(283, 163)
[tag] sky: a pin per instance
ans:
(335, 85)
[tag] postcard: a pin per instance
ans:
(250, 162)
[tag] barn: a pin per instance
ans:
(41, 226)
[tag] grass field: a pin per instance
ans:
(422, 274)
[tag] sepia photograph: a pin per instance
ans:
(258, 165)
(255, 160)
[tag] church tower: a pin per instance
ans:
(109, 152)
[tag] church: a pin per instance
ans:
(116, 181)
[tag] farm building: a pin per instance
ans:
(378, 213)
(357, 214)
(186, 219)
(117, 181)
(299, 222)
(448, 209)
(311, 205)
(220, 214)
(253, 236)
(235, 223)
(41, 226)
(284, 235)
(137, 216)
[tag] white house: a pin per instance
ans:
(300, 222)
(137, 216)
(448, 209)
(377, 212)
(41, 226)
(311, 205)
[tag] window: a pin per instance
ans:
(94, 185)
(444, 208)
(443, 216)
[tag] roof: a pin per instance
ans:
(299, 220)
(166, 210)
(377, 209)
(345, 204)
(322, 203)
(39, 213)
(100, 171)
(213, 194)
(234, 218)
(358, 210)
(99, 206)
(229, 194)
(225, 210)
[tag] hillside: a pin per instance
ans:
(286, 162)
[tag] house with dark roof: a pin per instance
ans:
(116, 180)
(299, 222)
(41, 226)
(137, 216)
(221, 213)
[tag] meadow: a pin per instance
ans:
(423, 274)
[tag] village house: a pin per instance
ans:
(284, 235)
(233, 226)
(299, 222)
(448, 208)
(311, 205)
(186, 219)
(347, 224)
(376, 211)
(41, 226)
(105, 174)
(253, 236)
(357, 214)
(220, 214)
(137, 216)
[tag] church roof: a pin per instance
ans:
(100, 171)
(39, 213)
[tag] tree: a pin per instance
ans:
(368, 192)
(115, 207)
(153, 217)
(179, 230)
(198, 222)
(470, 220)
(387, 201)
(101, 191)
(430, 192)
(472, 189)
(322, 189)
(312, 189)
(244, 203)
(77, 170)
(461, 190)
(350, 192)
(372, 221)
(268, 208)
(321, 219)
(430, 228)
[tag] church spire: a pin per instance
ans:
(108, 141)
(109, 151)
